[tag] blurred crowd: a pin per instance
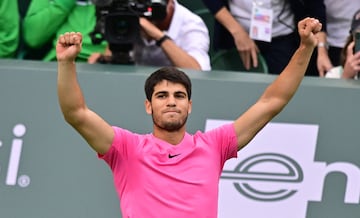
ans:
(177, 32)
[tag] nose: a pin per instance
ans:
(171, 101)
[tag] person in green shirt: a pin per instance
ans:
(9, 28)
(45, 20)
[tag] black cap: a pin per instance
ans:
(355, 23)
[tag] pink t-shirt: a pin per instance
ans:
(156, 179)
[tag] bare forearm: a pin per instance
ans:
(322, 46)
(69, 93)
(178, 56)
(228, 21)
(322, 36)
(286, 84)
(279, 93)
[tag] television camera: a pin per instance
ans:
(117, 22)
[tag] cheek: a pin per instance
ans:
(153, 108)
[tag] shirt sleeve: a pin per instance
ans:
(334, 73)
(196, 42)
(225, 138)
(124, 145)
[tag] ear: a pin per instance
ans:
(148, 107)
(190, 107)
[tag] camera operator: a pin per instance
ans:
(181, 39)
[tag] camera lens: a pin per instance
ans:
(121, 27)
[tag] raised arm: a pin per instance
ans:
(279, 92)
(93, 128)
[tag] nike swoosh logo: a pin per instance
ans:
(171, 156)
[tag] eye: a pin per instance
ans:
(161, 95)
(180, 95)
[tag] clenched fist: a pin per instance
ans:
(68, 46)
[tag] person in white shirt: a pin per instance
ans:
(180, 40)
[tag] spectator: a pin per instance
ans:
(233, 29)
(338, 18)
(45, 20)
(349, 67)
(181, 40)
(9, 28)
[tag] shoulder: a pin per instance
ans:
(185, 15)
(219, 132)
(125, 137)
(185, 23)
(222, 138)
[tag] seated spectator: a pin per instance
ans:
(181, 39)
(45, 20)
(9, 28)
(350, 61)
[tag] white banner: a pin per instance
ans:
(275, 175)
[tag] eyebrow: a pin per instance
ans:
(161, 92)
(166, 92)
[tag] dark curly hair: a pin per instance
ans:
(171, 74)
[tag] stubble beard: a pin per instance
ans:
(170, 126)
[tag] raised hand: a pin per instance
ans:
(68, 46)
(352, 63)
(150, 29)
(308, 28)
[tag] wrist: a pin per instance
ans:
(64, 61)
(323, 45)
(160, 41)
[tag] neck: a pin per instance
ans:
(171, 137)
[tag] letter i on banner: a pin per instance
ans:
(15, 154)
